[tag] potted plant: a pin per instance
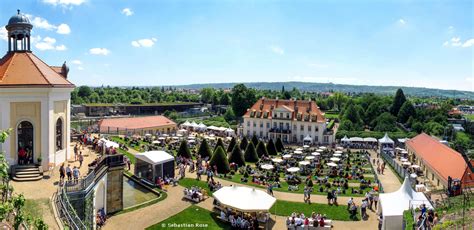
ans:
(39, 159)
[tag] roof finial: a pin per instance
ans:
(18, 10)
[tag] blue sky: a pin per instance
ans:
(144, 42)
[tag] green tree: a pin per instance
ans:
(219, 159)
(352, 114)
(219, 143)
(406, 111)
(229, 115)
(242, 99)
(231, 145)
(204, 149)
(207, 94)
(236, 156)
(434, 128)
(184, 150)
(244, 143)
(271, 149)
(417, 127)
(84, 91)
(250, 153)
(279, 145)
(398, 101)
(255, 140)
(385, 123)
(261, 149)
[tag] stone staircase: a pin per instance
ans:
(27, 173)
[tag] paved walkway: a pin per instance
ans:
(389, 180)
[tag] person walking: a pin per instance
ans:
(81, 159)
(76, 173)
(62, 174)
(68, 172)
(76, 149)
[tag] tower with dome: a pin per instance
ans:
(34, 104)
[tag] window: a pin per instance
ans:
(294, 127)
(254, 124)
(261, 133)
(309, 128)
(302, 127)
(248, 123)
(59, 134)
(316, 139)
(326, 139)
(301, 137)
(281, 115)
(316, 128)
(261, 124)
(288, 116)
(268, 125)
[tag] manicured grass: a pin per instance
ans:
(470, 116)
(189, 182)
(193, 217)
(163, 196)
(36, 208)
(129, 155)
(333, 212)
(284, 187)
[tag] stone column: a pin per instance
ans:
(114, 189)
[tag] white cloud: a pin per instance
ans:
(99, 51)
(76, 62)
(468, 43)
(277, 50)
(127, 12)
(64, 3)
(48, 43)
(457, 42)
(63, 29)
(80, 68)
(3, 33)
(146, 42)
(402, 21)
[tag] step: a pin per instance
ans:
(27, 169)
(28, 178)
(27, 172)
(25, 166)
(27, 175)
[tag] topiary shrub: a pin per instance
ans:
(204, 149)
(261, 149)
(219, 159)
(271, 149)
(236, 156)
(184, 150)
(279, 145)
(250, 153)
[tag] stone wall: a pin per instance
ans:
(114, 189)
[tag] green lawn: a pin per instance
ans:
(470, 116)
(285, 208)
(36, 208)
(189, 182)
(129, 155)
(193, 217)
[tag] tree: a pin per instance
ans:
(229, 115)
(406, 111)
(398, 101)
(250, 153)
(352, 114)
(236, 156)
(219, 159)
(242, 99)
(255, 140)
(346, 125)
(219, 143)
(244, 143)
(84, 91)
(207, 94)
(385, 123)
(204, 149)
(279, 145)
(261, 149)
(232, 143)
(12, 207)
(184, 150)
(271, 149)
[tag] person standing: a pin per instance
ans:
(81, 159)
(76, 149)
(69, 172)
(380, 219)
(62, 174)
(76, 173)
(376, 200)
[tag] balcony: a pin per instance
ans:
(278, 130)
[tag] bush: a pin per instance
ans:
(279, 145)
(261, 149)
(219, 159)
(204, 149)
(184, 150)
(232, 143)
(244, 143)
(236, 156)
(250, 153)
(255, 140)
(271, 149)
(219, 143)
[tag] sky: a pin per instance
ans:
(423, 43)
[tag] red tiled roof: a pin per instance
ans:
(441, 158)
(304, 108)
(135, 122)
(24, 69)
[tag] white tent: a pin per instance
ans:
(345, 139)
(370, 139)
(154, 157)
(386, 140)
(244, 199)
(109, 144)
(194, 124)
(307, 139)
(202, 126)
(185, 124)
(392, 205)
(356, 139)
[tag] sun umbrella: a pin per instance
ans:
(332, 164)
(305, 146)
(267, 167)
(322, 147)
(293, 169)
(277, 160)
(403, 159)
(165, 135)
(286, 156)
(338, 151)
(406, 163)
(155, 142)
(309, 157)
(319, 150)
(299, 149)
(298, 152)
(304, 163)
(340, 148)
(337, 154)
(335, 159)
(315, 154)
(415, 166)
(161, 138)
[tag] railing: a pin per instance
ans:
(375, 174)
(277, 130)
(399, 169)
(67, 213)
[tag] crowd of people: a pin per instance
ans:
(300, 220)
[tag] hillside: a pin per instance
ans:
(326, 87)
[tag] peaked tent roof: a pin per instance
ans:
(24, 69)
(244, 199)
(345, 138)
(386, 140)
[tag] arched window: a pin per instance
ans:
(59, 134)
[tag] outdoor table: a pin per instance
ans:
(266, 166)
(340, 148)
(319, 150)
(293, 169)
(403, 159)
(413, 175)
(406, 163)
(415, 166)
(305, 146)
(420, 188)
(299, 149)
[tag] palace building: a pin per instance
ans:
(293, 121)
(34, 102)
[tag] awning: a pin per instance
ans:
(244, 199)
